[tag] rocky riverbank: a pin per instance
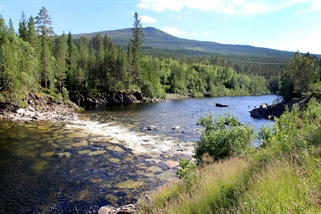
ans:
(37, 108)
(119, 98)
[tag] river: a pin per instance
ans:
(109, 156)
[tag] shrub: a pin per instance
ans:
(65, 93)
(222, 138)
(148, 90)
(287, 139)
(184, 172)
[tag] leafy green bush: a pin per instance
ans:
(65, 93)
(184, 172)
(148, 90)
(224, 137)
(287, 139)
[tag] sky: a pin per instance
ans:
(290, 25)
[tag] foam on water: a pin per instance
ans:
(139, 142)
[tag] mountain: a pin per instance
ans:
(157, 41)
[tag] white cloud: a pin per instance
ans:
(206, 33)
(237, 7)
(309, 43)
(196, 34)
(173, 31)
(161, 5)
(315, 6)
(2, 7)
(147, 19)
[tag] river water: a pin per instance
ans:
(109, 156)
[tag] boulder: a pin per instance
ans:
(176, 127)
(264, 106)
(31, 108)
(139, 96)
(127, 99)
(171, 164)
(107, 210)
(126, 209)
(118, 98)
(221, 105)
(21, 111)
(268, 111)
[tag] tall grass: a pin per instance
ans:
(217, 188)
(283, 188)
(240, 186)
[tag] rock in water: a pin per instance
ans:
(221, 105)
(129, 208)
(21, 111)
(268, 111)
(107, 210)
(176, 127)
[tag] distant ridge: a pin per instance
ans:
(158, 41)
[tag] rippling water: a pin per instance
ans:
(183, 113)
(109, 156)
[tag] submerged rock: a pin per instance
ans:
(81, 143)
(171, 164)
(97, 152)
(129, 184)
(64, 154)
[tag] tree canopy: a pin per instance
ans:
(37, 59)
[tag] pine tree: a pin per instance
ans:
(46, 64)
(45, 32)
(31, 36)
(136, 42)
(83, 62)
(9, 68)
(72, 61)
(43, 23)
(11, 28)
(23, 27)
(61, 55)
(3, 29)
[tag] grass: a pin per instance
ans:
(241, 186)
(284, 188)
(215, 187)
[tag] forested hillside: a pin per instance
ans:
(35, 59)
(158, 41)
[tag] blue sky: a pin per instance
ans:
(279, 24)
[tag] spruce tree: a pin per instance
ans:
(46, 64)
(72, 61)
(23, 27)
(61, 55)
(136, 42)
(31, 36)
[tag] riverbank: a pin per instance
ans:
(37, 107)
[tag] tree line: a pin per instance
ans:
(35, 59)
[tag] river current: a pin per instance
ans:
(109, 156)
